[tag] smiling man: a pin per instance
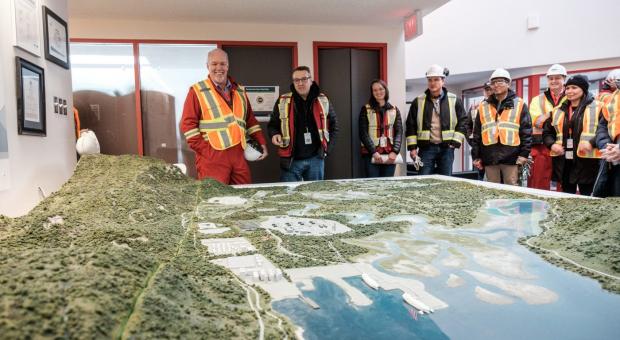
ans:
(540, 110)
(217, 117)
(303, 126)
(502, 132)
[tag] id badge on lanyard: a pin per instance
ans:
(307, 137)
(569, 149)
(382, 141)
(569, 141)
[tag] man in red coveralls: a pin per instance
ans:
(217, 117)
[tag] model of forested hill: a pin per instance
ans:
(110, 255)
(114, 253)
(583, 235)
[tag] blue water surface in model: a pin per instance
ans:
(388, 317)
(583, 309)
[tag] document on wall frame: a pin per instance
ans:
(26, 25)
(57, 39)
(262, 98)
(32, 101)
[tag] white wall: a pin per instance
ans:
(35, 162)
(479, 35)
(304, 35)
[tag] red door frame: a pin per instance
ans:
(136, 63)
(381, 47)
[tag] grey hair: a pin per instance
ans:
(214, 51)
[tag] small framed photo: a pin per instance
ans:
(56, 38)
(30, 98)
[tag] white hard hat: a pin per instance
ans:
(557, 70)
(500, 73)
(613, 75)
(437, 71)
(251, 153)
(87, 144)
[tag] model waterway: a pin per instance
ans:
(569, 306)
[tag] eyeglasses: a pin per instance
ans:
(499, 81)
(301, 80)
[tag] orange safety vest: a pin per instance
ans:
(503, 129)
(588, 132)
(611, 112)
(604, 97)
(540, 110)
(221, 125)
(374, 124)
(320, 110)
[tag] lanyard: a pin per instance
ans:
(570, 121)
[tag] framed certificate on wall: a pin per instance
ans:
(56, 37)
(26, 25)
(30, 98)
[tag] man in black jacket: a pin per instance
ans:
(502, 132)
(303, 125)
(437, 124)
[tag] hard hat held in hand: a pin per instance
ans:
(500, 73)
(252, 151)
(437, 71)
(557, 70)
(87, 144)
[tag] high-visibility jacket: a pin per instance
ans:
(320, 111)
(590, 122)
(375, 126)
(540, 110)
(503, 128)
(446, 135)
(222, 126)
(611, 112)
(604, 96)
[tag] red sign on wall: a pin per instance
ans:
(411, 27)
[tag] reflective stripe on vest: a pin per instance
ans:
(446, 135)
(611, 111)
(374, 124)
(220, 125)
(504, 129)
(588, 132)
(322, 126)
(540, 111)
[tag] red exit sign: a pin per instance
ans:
(413, 26)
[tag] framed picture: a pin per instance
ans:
(30, 98)
(26, 25)
(56, 37)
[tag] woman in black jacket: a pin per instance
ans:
(381, 132)
(570, 134)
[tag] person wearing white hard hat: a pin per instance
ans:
(540, 110)
(570, 134)
(436, 125)
(502, 132)
(303, 126)
(217, 117)
(608, 141)
(609, 86)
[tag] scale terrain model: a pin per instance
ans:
(130, 247)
